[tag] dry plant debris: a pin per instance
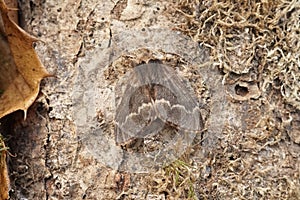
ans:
(244, 36)
(21, 70)
(20, 76)
(4, 179)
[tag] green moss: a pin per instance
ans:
(181, 177)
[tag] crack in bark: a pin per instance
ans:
(46, 148)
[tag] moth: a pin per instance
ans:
(151, 97)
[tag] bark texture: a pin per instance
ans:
(248, 150)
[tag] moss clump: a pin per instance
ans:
(258, 36)
(175, 181)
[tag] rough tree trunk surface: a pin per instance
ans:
(239, 59)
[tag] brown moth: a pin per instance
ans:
(150, 97)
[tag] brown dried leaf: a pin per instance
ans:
(13, 11)
(20, 69)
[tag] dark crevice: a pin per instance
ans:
(46, 147)
(241, 90)
(110, 38)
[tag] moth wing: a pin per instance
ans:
(174, 102)
(135, 124)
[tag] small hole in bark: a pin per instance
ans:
(166, 194)
(58, 185)
(31, 4)
(231, 157)
(241, 90)
(277, 82)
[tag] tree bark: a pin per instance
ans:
(88, 46)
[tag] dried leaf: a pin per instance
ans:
(20, 69)
(13, 10)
